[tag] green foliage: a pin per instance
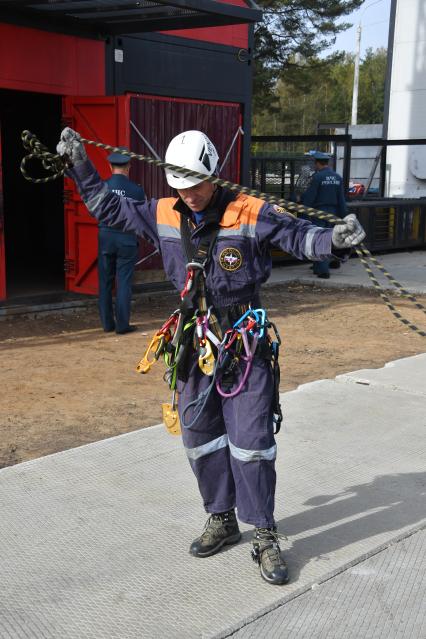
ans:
(321, 91)
(371, 97)
(293, 31)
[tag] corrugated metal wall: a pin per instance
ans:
(159, 120)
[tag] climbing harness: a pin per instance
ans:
(56, 165)
(247, 339)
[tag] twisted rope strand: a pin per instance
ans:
(57, 164)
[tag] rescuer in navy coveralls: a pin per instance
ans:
(117, 254)
(325, 192)
(230, 445)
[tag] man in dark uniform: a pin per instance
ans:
(230, 443)
(118, 251)
(325, 192)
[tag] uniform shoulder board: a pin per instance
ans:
(280, 209)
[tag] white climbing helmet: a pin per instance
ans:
(191, 150)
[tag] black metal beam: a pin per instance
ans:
(339, 138)
(213, 7)
(386, 143)
(120, 18)
(300, 138)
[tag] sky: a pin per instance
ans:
(374, 17)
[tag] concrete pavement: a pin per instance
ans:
(94, 540)
(408, 268)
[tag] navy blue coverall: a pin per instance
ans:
(117, 255)
(325, 193)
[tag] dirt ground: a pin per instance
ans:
(66, 383)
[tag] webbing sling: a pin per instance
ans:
(196, 255)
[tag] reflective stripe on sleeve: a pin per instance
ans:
(253, 455)
(309, 239)
(166, 230)
(209, 447)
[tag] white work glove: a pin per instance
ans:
(71, 147)
(347, 233)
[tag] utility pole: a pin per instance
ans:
(354, 118)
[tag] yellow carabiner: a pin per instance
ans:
(206, 360)
(145, 364)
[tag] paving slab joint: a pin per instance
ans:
(318, 582)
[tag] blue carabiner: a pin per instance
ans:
(260, 315)
(246, 314)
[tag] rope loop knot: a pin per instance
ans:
(52, 163)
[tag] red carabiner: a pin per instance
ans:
(172, 320)
(188, 283)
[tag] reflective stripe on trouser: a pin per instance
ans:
(231, 447)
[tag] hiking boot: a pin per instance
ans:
(221, 529)
(267, 554)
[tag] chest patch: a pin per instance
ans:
(230, 259)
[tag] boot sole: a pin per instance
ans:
(226, 542)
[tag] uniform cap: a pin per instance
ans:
(117, 158)
(318, 155)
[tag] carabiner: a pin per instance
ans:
(233, 335)
(261, 321)
(250, 311)
(173, 319)
(206, 360)
(145, 364)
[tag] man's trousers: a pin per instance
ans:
(116, 263)
(231, 446)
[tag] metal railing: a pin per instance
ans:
(276, 168)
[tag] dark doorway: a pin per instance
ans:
(33, 213)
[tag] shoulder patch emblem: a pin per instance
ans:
(230, 259)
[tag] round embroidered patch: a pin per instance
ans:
(230, 259)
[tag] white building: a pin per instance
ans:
(406, 107)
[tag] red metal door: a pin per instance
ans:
(107, 119)
(2, 251)
(102, 119)
(160, 119)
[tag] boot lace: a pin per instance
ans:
(267, 548)
(215, 527)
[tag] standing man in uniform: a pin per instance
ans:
(230, 444)
(325, 192)
(117, 254)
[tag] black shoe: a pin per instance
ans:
(334, 264)
(130, 329)
(266, 552)
(220, 530)
(324, 276)
(109, 330)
